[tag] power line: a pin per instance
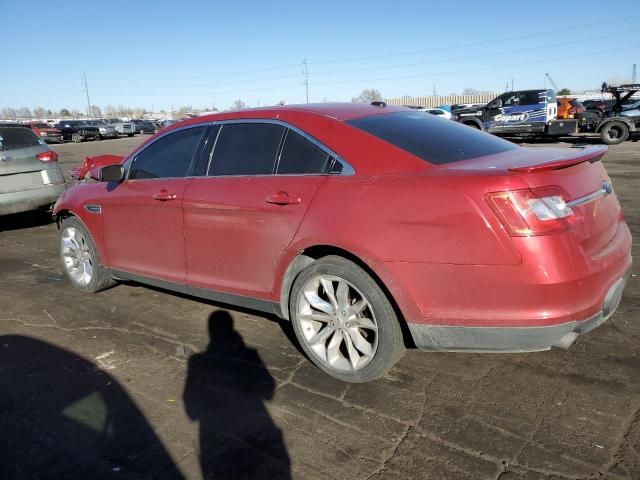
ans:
(492, 67)
(474, 44)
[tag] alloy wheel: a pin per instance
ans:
(337, 323)
(76, 256)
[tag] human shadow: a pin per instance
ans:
(226, 390)
(63, 417)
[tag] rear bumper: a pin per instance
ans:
(515, 339)
(26, 200)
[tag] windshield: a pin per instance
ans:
(430, 138)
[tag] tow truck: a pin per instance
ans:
(534, 113)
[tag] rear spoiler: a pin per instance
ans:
(589, 154)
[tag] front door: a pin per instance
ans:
(143, 215)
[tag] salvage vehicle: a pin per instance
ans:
(46, 132)
(123, 128)
(105, 129)
(77, 130)
(569, 107)
(534, 113)
(143, 126)
(366, 226)
(30, 176)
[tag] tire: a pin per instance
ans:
(97, 138)
(76, 138)
(333, 332)
(129, 134)
(615, 132)
(141, 132)
(79, 258)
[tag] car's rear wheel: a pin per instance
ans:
(614, 133)
(80, 259)
(344, 321)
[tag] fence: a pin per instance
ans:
(442, 100)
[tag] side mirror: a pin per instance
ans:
(111, 173)
(497, 103)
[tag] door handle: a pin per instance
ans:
(163, 196)
(283, 198)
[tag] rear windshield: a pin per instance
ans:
(12, 138)
(433, 139)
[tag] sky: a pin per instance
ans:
(158, 54)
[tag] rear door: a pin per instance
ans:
(240, 217)
(20, 169)
(143, 215)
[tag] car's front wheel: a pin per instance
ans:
(344, 321)
(76, 138)
(79, 257)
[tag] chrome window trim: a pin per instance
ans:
(605, 189)
(347, 169)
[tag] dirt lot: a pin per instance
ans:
(139, 383)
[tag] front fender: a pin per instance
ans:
(74, 201)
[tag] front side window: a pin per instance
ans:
(431, 139)
(246, 149)
(167, 157)
(300, 156)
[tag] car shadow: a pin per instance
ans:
(226, 391)
(20, 221)
(63, 417)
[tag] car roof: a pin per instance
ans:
(337, 111)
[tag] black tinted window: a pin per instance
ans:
(431, 138)
(246, 149)
(168, 157)
(300, 156)
(12, 138)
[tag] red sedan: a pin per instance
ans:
(369, 227)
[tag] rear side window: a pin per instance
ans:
(430, 138)
(168, 157)
(300, 156)
(246, 149)
(13, 138)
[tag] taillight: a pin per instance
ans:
(540, 211)
(48, 156)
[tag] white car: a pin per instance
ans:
(441, 112)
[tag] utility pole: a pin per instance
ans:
(506, 87)
(633, 74)
(434, 89)
(86, 90)
(512, 84)
(306, 78)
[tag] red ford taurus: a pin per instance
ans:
(369, 227)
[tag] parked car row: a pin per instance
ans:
(73, 130)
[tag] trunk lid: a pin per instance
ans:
(20, 169)
(579, 172)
